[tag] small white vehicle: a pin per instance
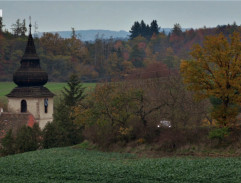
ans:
(164, 123)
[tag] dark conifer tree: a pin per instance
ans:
(67, 132)
(75, 91)
(148, 32)
(177, 29)
(23, 28)
(154, 27)
(144, 29)
(17, 28)
(135, 30)
(1, 24)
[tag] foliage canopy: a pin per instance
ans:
(215, 71)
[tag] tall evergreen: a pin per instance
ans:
(74, 92)
(135, 30)
(154, 27)
(16, 28)
(23, 28)
(19, 29)
(66, 133)
(144, 30)
(1, 24)
(177, 29)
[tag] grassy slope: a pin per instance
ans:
(6, 87)
(79, 165)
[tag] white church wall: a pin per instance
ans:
(45, 117)
(35, 106)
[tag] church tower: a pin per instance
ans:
(30, 96)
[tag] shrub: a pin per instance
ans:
(171, 139)
(28, 139)
(219, 133)
(51, 136)
(8, 144)
(55, 135)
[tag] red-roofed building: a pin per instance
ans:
(12, 121)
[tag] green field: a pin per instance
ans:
(6, 87)
(80, 165)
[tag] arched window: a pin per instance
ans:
(23, 106)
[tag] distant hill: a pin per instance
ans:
(168, 30)
(91, 35)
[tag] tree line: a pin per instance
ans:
(144, 30)
(105, 60)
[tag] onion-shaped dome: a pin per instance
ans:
(30, 72)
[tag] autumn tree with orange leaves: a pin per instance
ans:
(215, 71)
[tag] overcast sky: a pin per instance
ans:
(120, 15)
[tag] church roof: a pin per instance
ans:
(30, 78)
(30, 72)
(30, 51)
(12, 121)
(37, 91)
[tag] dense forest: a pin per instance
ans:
(147, 53)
